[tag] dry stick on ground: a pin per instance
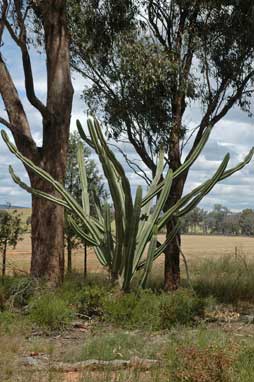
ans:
(94, 364)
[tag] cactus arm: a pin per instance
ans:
(36, 192)
(161, 247)
(145, 212)
(81, 232)
(240, 165)
(125, 190)
(203, 190)
(83, 179)
(100, 256)
(149, 259)
(109, 244)
(73, 205)
(182, 168)
(146, 233)
(116, 191)
(83, 135)
(118, 167)
(132, 240)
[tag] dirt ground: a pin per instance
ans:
(195, 248)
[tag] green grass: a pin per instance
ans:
(229, 279)
(116, 345)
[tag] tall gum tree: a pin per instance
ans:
(47, 218)
(144, 76)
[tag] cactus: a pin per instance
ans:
(136, 224)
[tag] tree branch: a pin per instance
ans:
(27, 67)
(132, 165)
(18, 122)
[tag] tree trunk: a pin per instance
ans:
(47, 219)
(69, 255)
(172, 253)
(172, 261)
(4, 260)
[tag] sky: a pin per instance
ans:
(233, 134)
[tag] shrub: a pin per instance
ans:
(180, 307)
(136, 310)
(15, 292)
(20, 291)
(210, 364)
(147, 310)
(50, 312)
(91, 301)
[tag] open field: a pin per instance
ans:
(196, 248)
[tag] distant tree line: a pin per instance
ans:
(220, 220)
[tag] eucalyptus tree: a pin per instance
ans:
(21, 21)
(149, 61)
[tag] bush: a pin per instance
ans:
(20, 291)
(210, 364)
(49, 311)
(138, 310)
(90, 302)
(180, 307)
(15, 291)
(147, 310)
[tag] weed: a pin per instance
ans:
(91, 301)
(50, 312)
(180, 307)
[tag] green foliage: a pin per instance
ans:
(229, 279)
(182, 307)
(50, 312)
(16, 292)
(90, 302)
(247, 222)
(11, 229)
(137, 76)
(148, 310)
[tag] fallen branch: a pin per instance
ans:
(93, 364)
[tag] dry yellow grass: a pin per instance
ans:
(195, 249)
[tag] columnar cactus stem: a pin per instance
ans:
(136, 224)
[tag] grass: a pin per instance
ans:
(147, 324)
(116, 345)
(229, 279)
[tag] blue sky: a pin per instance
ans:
(234, 134)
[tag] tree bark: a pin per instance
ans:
(47, 219)
(172, 262)
(172, 252)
